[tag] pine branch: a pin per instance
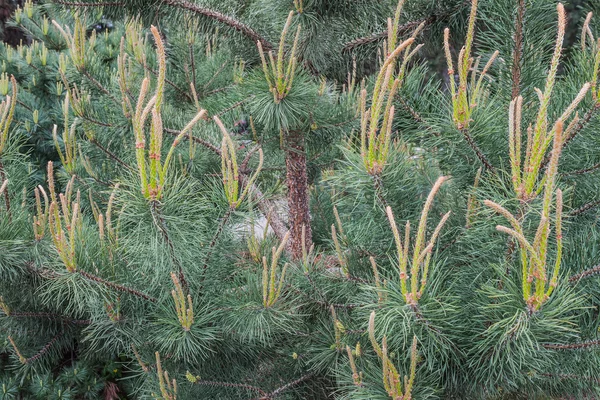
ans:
(214, 241)
(585, 208)
(572, 346)
(195, 139)
(595, 270)
(285, 387)
(584, 170)
(222, 18)
(161, 223)
(376, 37)
(478, 151)
(43, 350)
(578, 128)
(232, 385)
(518, 50)
(116, 286)
(79, 4)
(110, 154)
(49, 316)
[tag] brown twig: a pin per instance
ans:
(231, 385)
(43, 350)
(580, 125)
(518, 52)
(204, 143)
(595, 270)
(50, 316)
(477, 151)
(214, 241)
(109, 153)
(222, 18)
(80, 4)
(376, 37)
(585, 208)
(572, 346)
(116, 286)
(99, 86)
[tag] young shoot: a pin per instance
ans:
(153, 172)
(525, 168)
(41, 217)
(185, 311)
(376, 121)
(230, 169)
(466, 96)
(7, 109)
(536, 286)
(69, 156)
(391, 377)
(271, 286)
(168, 387)
(76, 41)
(422, 250)
(279, 77)
(63, 220)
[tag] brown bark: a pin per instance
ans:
(298, 197)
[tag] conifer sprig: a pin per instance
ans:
(41, 217)
(168, 387)
(76, 41)
(278, 78)
(68, 158)
(63, 220)
(7, 108)
(185, 311)
(153, 172)
(391, 377)
(539, 137)
(376, 121)
(534, 253)
(422, 251)
(271, 286)
(230, 169)
(466, 96)
(525, 171)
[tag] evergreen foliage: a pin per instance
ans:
(290, 199)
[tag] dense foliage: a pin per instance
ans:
(300, 199)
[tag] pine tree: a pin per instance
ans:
(271, 199)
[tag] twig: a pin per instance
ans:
(198, 140)
(580, 125)
(518, 52)
(214, 240)
(43, 351)
(99, 86)
(80, 4)
(109, 153)
(116, 286)
(222, 18)
(478, 151)
(231, 385)
(585, 274)
(572, 346)
(285, 387)
(50, 316)
(160, 222)
(585, 208)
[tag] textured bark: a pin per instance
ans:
(298, 199)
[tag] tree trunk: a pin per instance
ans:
(298, 196)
